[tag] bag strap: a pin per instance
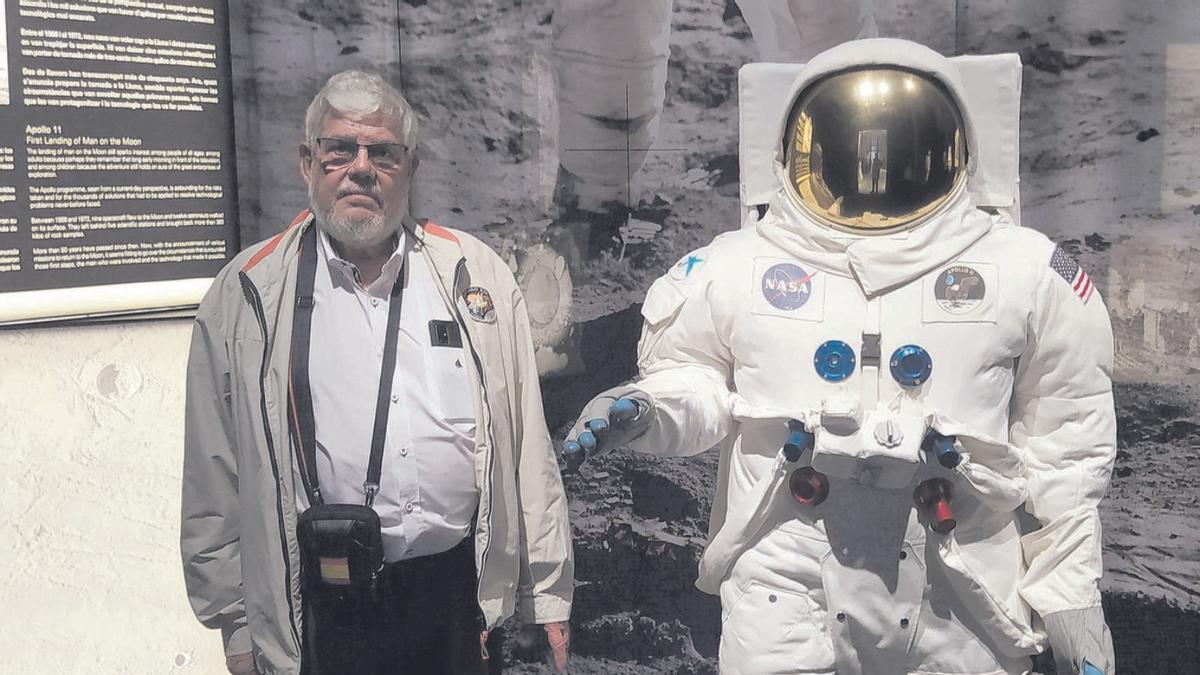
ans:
(300, 408)
(386, 375)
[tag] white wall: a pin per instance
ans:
(91, 432)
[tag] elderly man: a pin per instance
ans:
(368, 484)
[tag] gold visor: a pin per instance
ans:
(874, 150)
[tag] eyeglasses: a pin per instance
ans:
(337, 153)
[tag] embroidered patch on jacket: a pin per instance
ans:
(787, 286)
(1066, 267)
(479, 303)
(959, 289)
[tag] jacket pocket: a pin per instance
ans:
(742, 527)
(773, 629)
(1005, 620)
(662, 304)
(662, 301)
(451, 385)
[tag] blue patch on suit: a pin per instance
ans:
(689, 263)
(787, 286)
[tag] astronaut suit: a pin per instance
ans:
(911, 395)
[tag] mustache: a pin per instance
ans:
(357, 190)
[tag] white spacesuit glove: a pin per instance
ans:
(611, 420)
(1081, 641)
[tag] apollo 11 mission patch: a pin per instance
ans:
(962, 292)
(959, 289)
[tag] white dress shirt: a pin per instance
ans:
(427, 493)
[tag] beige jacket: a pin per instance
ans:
(240, 556)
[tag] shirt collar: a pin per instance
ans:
(345, 270)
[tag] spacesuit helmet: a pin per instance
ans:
(874, 150)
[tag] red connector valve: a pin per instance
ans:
(809, 487)
(934, 496)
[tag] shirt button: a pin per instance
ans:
(374, 302)
(408, 508)
(841, 617)
(395, 398)
(404, 452)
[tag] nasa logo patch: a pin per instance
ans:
(959, 289)
(787, 286)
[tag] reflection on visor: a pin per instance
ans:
(872, 161)
(874, 149)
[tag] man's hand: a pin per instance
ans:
(1081, 641)
(559, 636)
(241, 664)
(611, 420)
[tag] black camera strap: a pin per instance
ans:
(300, 408)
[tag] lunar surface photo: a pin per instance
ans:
(1109, 169)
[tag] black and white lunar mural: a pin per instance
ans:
(1109, 165)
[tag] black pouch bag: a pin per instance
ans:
(340, 547)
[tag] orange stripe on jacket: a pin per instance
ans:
(269, 247)
(440, 232)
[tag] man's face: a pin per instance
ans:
(359, 200)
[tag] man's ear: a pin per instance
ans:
(306, 160)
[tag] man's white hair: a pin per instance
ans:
(355, 93)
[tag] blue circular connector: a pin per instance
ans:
(911, 365)
(943, 448)
(799, 439)
(835, 361)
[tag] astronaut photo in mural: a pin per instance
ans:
(911, 394)
(610, 67)
(609, 59)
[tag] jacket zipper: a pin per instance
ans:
(458, 268)
(255, 301)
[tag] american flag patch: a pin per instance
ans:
(1068, 269)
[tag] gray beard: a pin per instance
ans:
(357, 232)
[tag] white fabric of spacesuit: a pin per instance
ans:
(1021, 375)
(610, 68)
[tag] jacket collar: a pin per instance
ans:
(441, 246)
(272, 267)
(271, 270)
